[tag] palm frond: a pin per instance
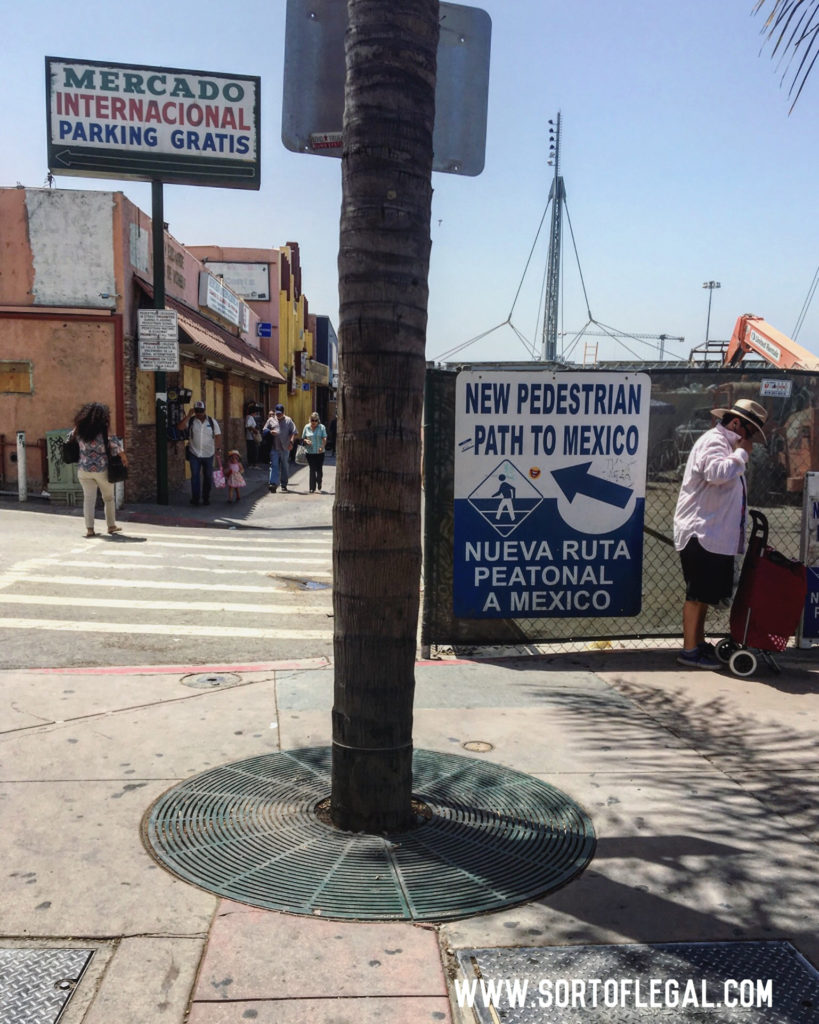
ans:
(792, 29)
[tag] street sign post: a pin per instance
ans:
(158, 334)
(313, 100)
(144, 123)
(549, 493)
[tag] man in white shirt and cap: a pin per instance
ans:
(204, 439)
(709, 521)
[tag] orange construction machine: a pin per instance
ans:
(794, 440)
(753, 335)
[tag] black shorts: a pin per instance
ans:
(709, 578)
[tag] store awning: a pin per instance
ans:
(234, 354)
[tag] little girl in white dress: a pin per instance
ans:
(233, 474)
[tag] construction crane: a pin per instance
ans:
(616, 335)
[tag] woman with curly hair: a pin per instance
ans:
(91, 430)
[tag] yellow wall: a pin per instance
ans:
(293, 337)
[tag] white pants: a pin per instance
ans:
(89, 483)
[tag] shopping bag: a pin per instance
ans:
(218, 478)
(71, 450)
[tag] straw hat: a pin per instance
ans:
(750, 412)
(233, 451)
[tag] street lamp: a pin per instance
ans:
(710, 285)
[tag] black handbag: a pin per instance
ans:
(71, 450)
(117, 470)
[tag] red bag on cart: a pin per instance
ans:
(771, 594)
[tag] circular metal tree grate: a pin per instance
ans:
(250, 832)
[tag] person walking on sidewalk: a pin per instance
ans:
(252, 436)
(314, 436)
(91, 430)
(205, 436)
(709, 521)
(282, 432)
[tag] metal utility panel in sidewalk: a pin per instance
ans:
(313, 104)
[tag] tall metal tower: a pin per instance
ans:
(557, 195)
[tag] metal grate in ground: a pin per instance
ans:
(36, 984)
(249, 831)
(683, 983)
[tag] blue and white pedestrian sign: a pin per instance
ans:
(810, 556)
(549, 493)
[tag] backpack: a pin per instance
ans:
(188, 437)
(212, 430)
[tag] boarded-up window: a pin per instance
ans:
(16, 378)
(146, 398)
(237, 400)
(192, 380)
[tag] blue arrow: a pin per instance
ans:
(574, 480)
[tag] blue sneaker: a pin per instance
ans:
(698, 658)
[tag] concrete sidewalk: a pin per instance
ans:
(256, 509)
(702, 789)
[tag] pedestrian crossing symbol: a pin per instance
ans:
(505, 498)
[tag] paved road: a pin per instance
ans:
(161, 594)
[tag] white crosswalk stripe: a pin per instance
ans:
(201, 584)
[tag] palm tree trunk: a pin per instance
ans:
(391, 48)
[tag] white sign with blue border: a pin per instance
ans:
(549, 493)
(810, 556)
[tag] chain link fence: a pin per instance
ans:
(681, 401)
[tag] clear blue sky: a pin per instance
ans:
(680, 161)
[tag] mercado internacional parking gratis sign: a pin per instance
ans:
(108, 120)
(549, 493)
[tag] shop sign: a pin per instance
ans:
(249, 280)
(217, 297)
(316, 372)
(108, 120)
(549, 493)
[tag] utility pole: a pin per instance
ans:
(160, 380)
(557, 195)
(710, 285)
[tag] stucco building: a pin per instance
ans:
(75, 268)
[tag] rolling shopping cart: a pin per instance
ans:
(767, 605)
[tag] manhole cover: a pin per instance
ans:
(676, 982)
(477, 746)
(36, 984)
(211, 680)
(249, 831)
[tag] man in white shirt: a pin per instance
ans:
(205, 436)
(709, 521)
